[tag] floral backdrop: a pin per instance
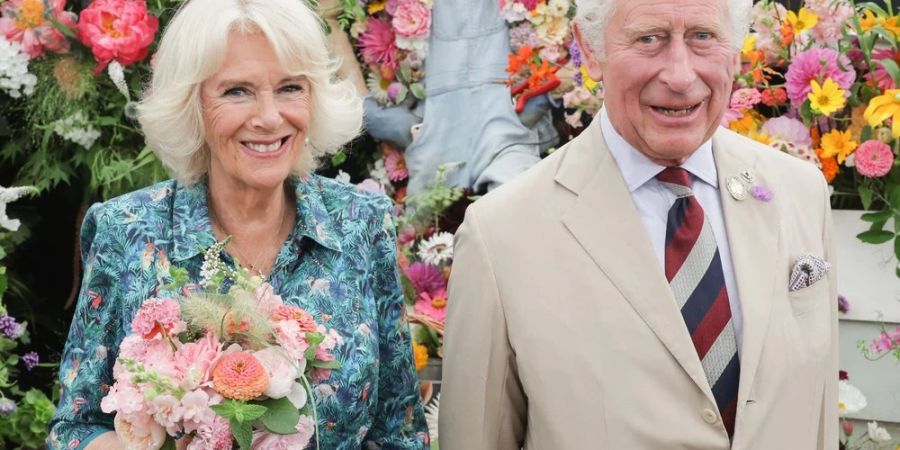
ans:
(821, 82)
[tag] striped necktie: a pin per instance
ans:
(694, 271)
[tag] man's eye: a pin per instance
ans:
(236, 92)
(704, 35)
(648, 39)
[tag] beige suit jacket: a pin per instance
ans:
(562, 332)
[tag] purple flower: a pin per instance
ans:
(761, 193)
(843, 304)
(30, 359)
(575, 53)
(7, 406)
(8, 326)
(425, 277)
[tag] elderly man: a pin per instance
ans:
(659, 282)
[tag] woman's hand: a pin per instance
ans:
(106, 441)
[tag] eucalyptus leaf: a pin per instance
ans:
(875, 236)
(281, 416)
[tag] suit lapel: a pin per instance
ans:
(753, 240)
(606, 224)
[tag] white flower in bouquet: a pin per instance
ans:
(77, 129)
(432, 412)
(437, 249)
(878, 434)
(9, 195)
(850, 398)
(15, 79)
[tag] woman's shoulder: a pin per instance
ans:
(140, 208)
(339, 196)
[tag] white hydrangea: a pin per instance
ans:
(878, 434)
(9, 195)
(77, 129)
(15, 79)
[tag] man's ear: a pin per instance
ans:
(588, 59)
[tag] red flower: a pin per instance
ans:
(774, 96)
(120, 30)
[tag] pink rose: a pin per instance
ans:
(282, 371)
(27, 22)
(412, 19)
(139, 431)
(120, 30)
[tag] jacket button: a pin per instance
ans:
(710, 416)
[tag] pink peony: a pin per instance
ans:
(282, 370)
(745, 98)
(28, 23)
(432, 304)
(139, 431)
(788, 129)
(412, 19)
(158, 315)
(808, 66)
(291, 338)
(395, 165)
(269, 441)
(378, 45)
(194, 361)
(874, 159)
(425, 277)
(120, 30)
(212, 436)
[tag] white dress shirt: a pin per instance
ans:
(653, 201)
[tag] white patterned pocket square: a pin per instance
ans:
(807, 271)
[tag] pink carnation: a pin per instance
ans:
(212, 436)
(120, 30)
(303, 318)
(425, 277)
(289, 335)
(28, 23)
(808, 66)
(378, 44)
(412, 19)
(432, 304)
(874, 159)
(158, 315)
(745, 98)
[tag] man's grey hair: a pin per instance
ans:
(592, 16)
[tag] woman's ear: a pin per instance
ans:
(588, 59)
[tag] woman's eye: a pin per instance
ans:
(236, 92)
(293, 88)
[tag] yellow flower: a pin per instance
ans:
(827, 97)
(838, 143)
(748, 123)
(749, 45)
(883, 107)
(888, 23)
(376, 6)
(760, 136)
(420, 354)
(803, 21)
(586, 81)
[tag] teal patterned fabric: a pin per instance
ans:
(339, 263)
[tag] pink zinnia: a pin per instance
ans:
(817, 64)
(120, 30)
(240, 376)
(432, 304)
(425, 277)
(378, 44)
(874, 159)
(395, 165)
(27, 22)
(745, 98)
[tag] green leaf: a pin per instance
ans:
(169, 444)
(865, 194)
(865, 134)
(418, 90)
(873, 217)
(281, 416)
(333, 364)
(806, 112)
(897, 247)
(891, 66)
(401, 94)
(239, 411)
(243, 433)
(875, 236)
(338, 158)
(252, 412)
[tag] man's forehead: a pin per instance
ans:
(641, 14)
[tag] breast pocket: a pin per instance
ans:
(809, 299)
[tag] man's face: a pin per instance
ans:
(667, 73)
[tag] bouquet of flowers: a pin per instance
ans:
(823, 84)
(219, 367)
(391, 37)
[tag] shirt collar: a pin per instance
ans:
(637, 169)
(192, 231)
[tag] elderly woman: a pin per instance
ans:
(242, 101)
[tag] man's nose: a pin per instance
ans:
(678, 72)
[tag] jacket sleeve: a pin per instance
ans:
(85, 372)
(399, 421)
(483, 406)
(829, 426)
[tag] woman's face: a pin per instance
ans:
(256, 116)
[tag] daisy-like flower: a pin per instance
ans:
(432, 304)
(437, 249)
(826, 98)
(838, 143)
(801, 21)
(878, 434)
(817, 64)
(378, 44)
(432, 410)
(883, 107)
(378, 87)
(850, 399)
(395, 165)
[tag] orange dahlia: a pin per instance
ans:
(240, 376)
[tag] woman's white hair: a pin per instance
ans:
(193, 48)
(592, 16)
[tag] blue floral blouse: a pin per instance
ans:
(339, 263)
